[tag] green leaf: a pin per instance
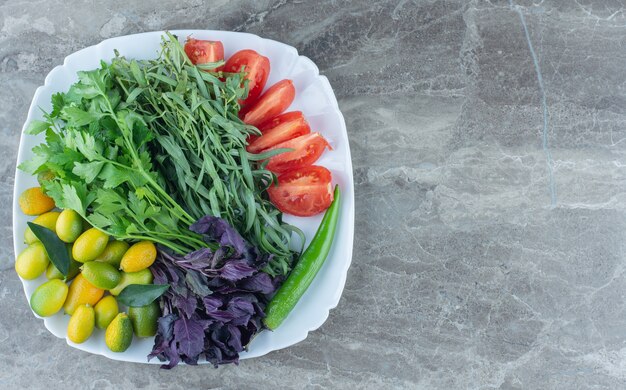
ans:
(137, 74)
(58, 102)
(75, 196)
(111, 152)
(54, 140)
(87, 144)
(114, 98)
(112, 176)
(245, 167)
(32, 166)
(55, 248)
(135, 295)
(134, 95)
(251, 209)
(176, 98)
(82, 91)
(267, 154)
(65, 158)
(36, 127)
(99, 220)
(140, 208)
(109, 202)
(95, 78)
(138, 128)
(165, 79)
(210, 65)
(181, 88)
(201, 84)
(77, 117)
(88, 171)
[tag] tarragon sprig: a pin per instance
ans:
(201, 144)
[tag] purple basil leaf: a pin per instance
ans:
(241, 310)
(212, 303)
(236, 270)
(213, 354)
(159, 275)
(227, 289)
(197, 260)
(260, 282)
(186, 305)
(234, 341)
(218, 230)
(192, 361)
(163, 343)
(189, 335)
(258, 309)
(197, 283)
(219, 351)
(219, 336)
(165, 333)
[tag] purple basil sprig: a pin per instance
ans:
(216, 298)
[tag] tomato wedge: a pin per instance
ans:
(306, 150)
(280, 129)
(201, 51)
(257, 70)
(273, 102)
(303, 192)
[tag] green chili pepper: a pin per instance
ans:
(308, 266)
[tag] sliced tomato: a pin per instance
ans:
(306, 150)
(272, 103)
(201, 51)
(257, 70)
(303, 192)
(280, 129)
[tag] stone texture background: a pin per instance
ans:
(483, 258)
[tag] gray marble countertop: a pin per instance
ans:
(489, 148)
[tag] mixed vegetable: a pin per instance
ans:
(172, 176)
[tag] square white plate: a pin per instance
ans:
(314, 97)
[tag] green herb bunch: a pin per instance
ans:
(142, 149)
(97, 152)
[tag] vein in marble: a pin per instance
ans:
(544, 104)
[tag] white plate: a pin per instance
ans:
(314, 97)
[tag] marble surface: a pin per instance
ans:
(489, 146)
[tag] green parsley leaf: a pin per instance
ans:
(87, 145)
(88, 171)
(58, 101)
(77, 117)
(33, 165)
(36, 127)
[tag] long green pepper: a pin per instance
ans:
(306, 269)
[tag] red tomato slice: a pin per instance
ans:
(303, 192)
(201, 51)
(257, 70)
(280, 129)
(272, 103)
(307, 149)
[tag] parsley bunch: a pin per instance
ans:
(97, 151)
